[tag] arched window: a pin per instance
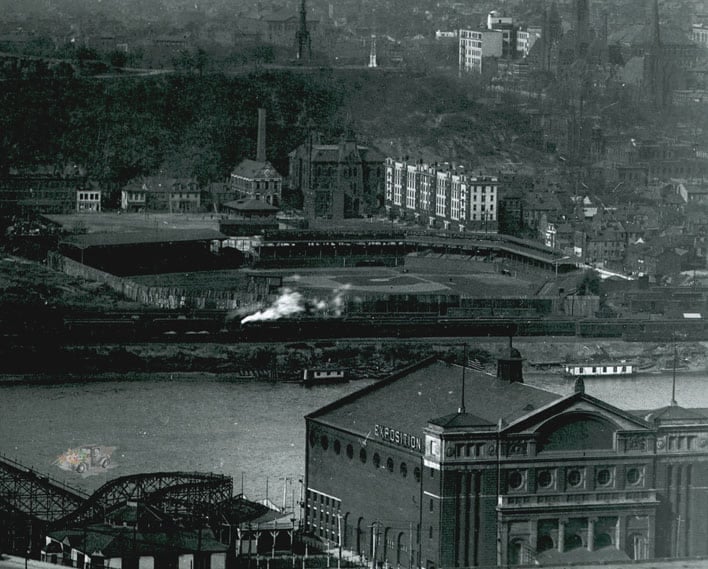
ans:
(544, 543)
(573, 541)
(576, 431)
(602, 540)
(404, 469)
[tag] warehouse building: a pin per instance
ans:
(409, 472)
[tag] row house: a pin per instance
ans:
(42, 189)
(443, 197)
(162, 195)
(605, 247)
(540, 206)
(693, 193)
(88, 199)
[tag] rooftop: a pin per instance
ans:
(250, 204)
(431, 393)
(256, 169)
(137, 237)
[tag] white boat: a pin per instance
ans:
(325, 375)
(599, 369)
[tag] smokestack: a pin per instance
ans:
(261, 147)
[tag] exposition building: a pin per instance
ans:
(406, 473)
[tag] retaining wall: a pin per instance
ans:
(160, 297)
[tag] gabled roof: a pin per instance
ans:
(330, 153)
(432, 389)
(250, 204)
(674, 414)
(461, 420)
(165, 184)
(577, 401)
(256, 169)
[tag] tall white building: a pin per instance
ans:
(525, 39)
(441, 196)
(699, 34)
(476, 45)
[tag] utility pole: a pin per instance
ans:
(339, 540)
(410, 545)
(374, 538)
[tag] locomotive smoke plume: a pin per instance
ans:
(291, 302)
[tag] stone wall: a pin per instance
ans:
(161, 297)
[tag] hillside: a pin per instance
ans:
(189, 125)
(438, 118)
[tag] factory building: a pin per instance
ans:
(411, 473)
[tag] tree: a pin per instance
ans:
(118, 59)
(590, 284)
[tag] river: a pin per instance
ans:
(244, 428)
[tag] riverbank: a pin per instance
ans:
(364, 359)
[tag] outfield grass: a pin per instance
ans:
(473, 281)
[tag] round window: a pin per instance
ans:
(337, 446)
(404, 469)
(574, 478)
(377, 460)
(633, 476)
(325, 442)
(389, 464)
(416, 474)
(604, 477)
(516, 480)
(362, 455)
(350, 451)
(545, 479)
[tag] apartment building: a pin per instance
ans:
(476, 46)
(440, 195)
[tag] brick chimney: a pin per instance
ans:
(510, 368)
(261, 146)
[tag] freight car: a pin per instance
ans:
(214, 326)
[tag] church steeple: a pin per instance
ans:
(654, 24)
(582, 27)
(304, 46)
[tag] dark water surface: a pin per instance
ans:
(204, 422)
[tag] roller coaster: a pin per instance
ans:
(29, 499)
